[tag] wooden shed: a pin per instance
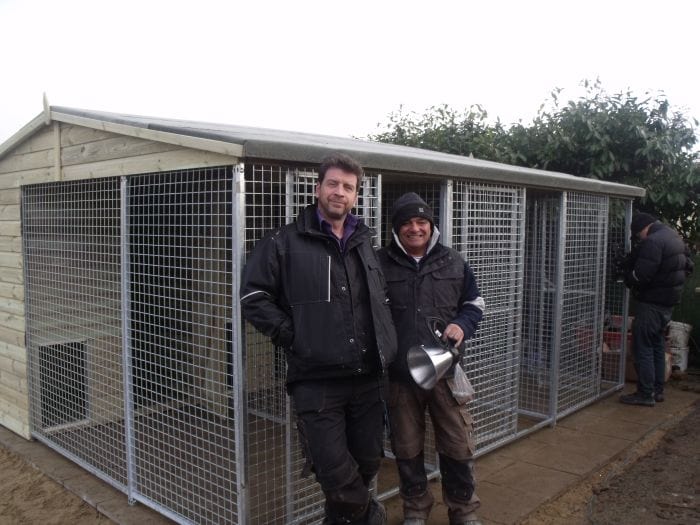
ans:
(122, 240)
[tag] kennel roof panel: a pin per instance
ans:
(270, 144)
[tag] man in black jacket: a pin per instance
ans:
(657, 270)
(315, 287)
(427, 281)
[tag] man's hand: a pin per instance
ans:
(454, 334)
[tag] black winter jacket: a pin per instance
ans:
(442, 285)
(660, 264)
(328, 310)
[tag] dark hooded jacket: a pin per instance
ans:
(660, 265)
(442, 285)
(328, 310)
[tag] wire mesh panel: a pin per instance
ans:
(542, 240)
(369, 204)
(71, 236)
(582, 300)
(179, 244)
(488, 223)
(275, 195)
(615, 338)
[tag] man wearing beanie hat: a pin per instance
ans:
(658, 266)
(427, 280)
(640, 221)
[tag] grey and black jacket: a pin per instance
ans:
(659, 266)
(328, 310)
(442, 285)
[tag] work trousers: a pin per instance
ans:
(648, 347)
(454, 442)
(341, 427)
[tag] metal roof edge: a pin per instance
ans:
(126, 127)
(259, 143)
(436, 163)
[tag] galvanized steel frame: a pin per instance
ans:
(488, 223)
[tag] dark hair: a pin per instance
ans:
(343, 162)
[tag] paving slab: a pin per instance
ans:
(501, 505)
(540, 482)
(490, 463)
(513, 480)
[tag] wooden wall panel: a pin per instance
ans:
(40, 141)
(10, 228)
(10, 196)
(155, 162)
(10, 243)
(26, 161)
(112, 148)
(13, 417)
(21, 178)
(72, 135)
(11, 337)
(58, 152)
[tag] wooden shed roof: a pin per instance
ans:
(260, 143)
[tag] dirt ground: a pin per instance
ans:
(29, 497)
(657, 482)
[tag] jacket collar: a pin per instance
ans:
(433, 242)
(308, 223)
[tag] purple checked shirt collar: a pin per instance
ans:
(349, 227)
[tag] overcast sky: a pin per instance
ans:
(336, 68)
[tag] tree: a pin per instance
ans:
(617, 138)
(442, 128)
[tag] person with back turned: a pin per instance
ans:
(657, 268)
(315, 287)
(429, 281)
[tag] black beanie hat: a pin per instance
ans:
(641, 221)
(406, 207)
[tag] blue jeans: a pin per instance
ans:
(648, 347)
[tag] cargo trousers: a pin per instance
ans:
(341, 429)
(454, 442)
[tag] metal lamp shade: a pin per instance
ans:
(428, 365)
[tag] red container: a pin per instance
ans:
(614, 340)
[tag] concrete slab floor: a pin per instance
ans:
(512, 480)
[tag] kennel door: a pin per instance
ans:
(487, 230)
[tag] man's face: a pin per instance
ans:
(414, 235)
(337, 194)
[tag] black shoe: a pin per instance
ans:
(637, 399)
(659, 397)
